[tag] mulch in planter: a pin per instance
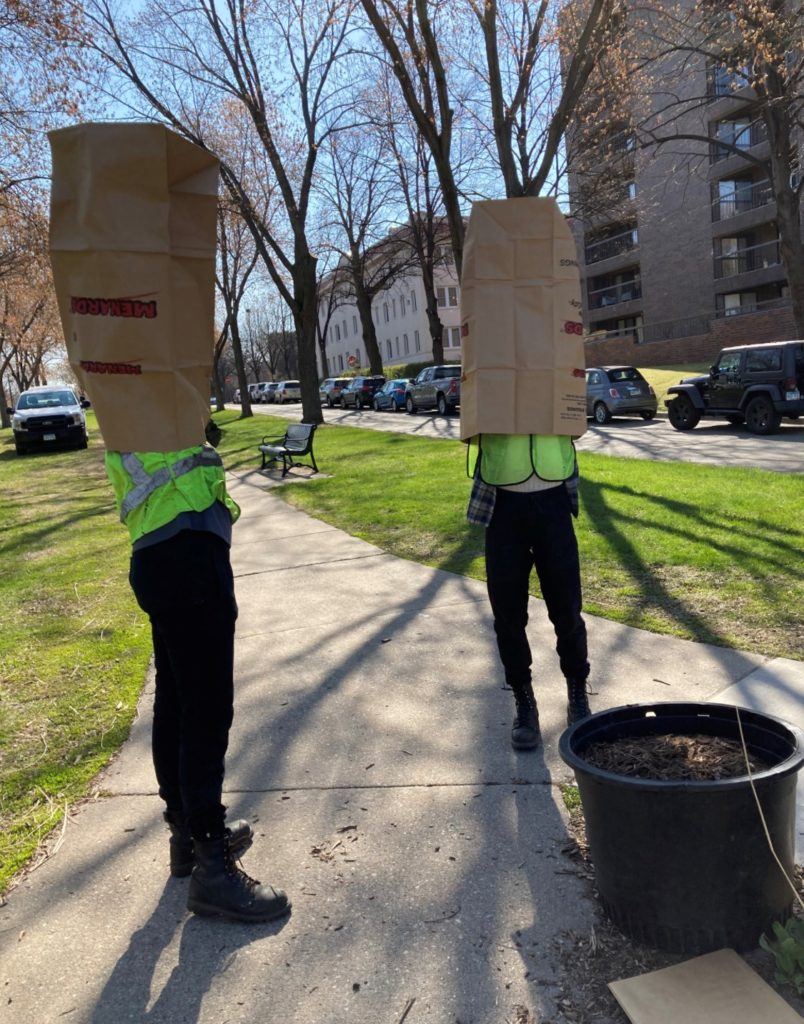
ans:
(696, 758)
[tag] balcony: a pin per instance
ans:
(751, 258)
(753, 306)
(601, 298)
(743, 196)
(614, 245)
(737, 134)
(722, 82)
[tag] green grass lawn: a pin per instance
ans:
(73, 647)
(707, 553)
(662, 377)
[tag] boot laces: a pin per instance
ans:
(234, 869)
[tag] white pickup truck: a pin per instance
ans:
(46, 417)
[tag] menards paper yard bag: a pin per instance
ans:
(132, 240)
(522, 334)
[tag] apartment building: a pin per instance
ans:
(684, 254)
(400, 321)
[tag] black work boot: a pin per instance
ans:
(181, 842)
(577, 701)
(525, 734)
(219, 888)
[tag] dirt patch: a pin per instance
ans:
(696, 758)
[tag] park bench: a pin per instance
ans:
(296, 442)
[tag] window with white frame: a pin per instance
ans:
(385, 311)
(345, 332)
(393, 302)
(390, 349)
(446, 297)
(340, 362)
(337, 333)
(417, 341)
(396, 343)
(354, 323)
(413, 300)
(406, 344)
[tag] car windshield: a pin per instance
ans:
(625, 373)
(447, 371)
(46, 399)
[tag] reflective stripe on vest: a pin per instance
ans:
(146, 483)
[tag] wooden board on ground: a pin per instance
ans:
(719, 988)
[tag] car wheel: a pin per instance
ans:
(410, 405)
(682, 413)
(21, 449)
(84, 442)
(441, 405)
(736, 419)
(647, 414)
(330, 403)
(359, 404)
(602, 414)
(375, 405)
(761, 417)
(343, 402)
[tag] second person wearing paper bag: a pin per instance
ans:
(526, 493)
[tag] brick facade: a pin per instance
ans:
(748, 329)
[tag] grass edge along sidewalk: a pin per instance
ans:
(701, 552)
(74, 647)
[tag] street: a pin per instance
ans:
(713, 442)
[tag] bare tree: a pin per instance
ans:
(359, 189)
(330, 297)
(529, 102)
(237, 258)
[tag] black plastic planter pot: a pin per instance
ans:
(685, 866)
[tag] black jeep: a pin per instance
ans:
(752, 384)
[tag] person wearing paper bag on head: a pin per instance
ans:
(523, 400)
(136, 298)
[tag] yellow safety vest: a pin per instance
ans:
(505, 459)
(152, 488)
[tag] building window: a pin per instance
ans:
(447, 297)
(417, 341)
(340, 362)
(393, 302)
(385, 311)
(452, 337)
(354, 324)
(396, 342)
(406, 344)
(413, 300)
(337, 333)
(390, 349)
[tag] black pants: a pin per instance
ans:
(185, 586)
(530, 530)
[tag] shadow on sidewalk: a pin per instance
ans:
(207, 948)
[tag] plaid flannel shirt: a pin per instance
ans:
(484, 497)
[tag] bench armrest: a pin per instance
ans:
(272, 437)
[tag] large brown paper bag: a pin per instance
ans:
(522, 334)
(132, 241)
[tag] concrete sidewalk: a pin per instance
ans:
(370, 749)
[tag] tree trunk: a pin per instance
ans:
(217, 385)
(242, 379)
(305, 315)
(433, 319)
(322, 348)
(363, 300)
(5, 403)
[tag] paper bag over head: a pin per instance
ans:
(521, 326)
(132, 245)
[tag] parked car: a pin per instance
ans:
(618, 391)
(391, 395)
(436, 387)
(266, 392)
(360, 392)
(46, 417)
(253, 390)
(287, 391)
(752, 384)
(330, 390)
(236, 395)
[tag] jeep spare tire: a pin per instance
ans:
(682, 413)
